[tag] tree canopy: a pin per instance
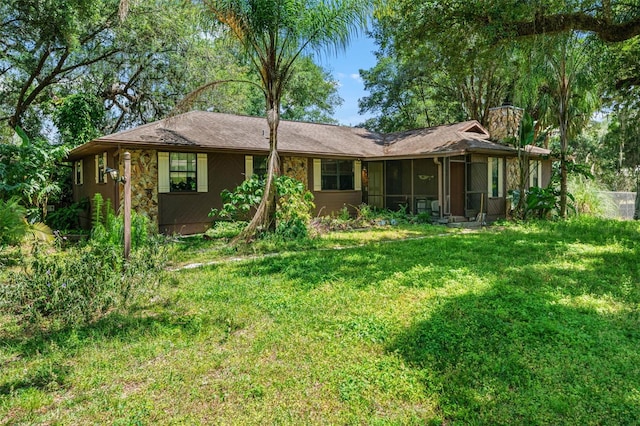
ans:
(137, 68)
(610, 20)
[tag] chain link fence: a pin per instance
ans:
(624, 201)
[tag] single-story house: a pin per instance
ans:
(181, 164)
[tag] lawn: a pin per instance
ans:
(528, 324)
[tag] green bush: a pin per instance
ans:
(13, 227)
(78, 285)
(590, 199)
(424, 217)
(83, 283)
(544, 203)
(293, 210)
(109, 229)
(237, 204)
(28, 170)
(68, 217)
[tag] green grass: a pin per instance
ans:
(201, 249)
(531, 324)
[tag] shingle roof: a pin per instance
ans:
(449, 139)
(216, 131)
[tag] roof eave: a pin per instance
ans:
(98, 145)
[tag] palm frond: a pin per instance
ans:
(39, 232)
(188, 101)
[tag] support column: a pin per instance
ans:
(127, 205)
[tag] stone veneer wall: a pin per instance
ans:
(504, 122)
(513, 173)
(144, 183)
(296, 167)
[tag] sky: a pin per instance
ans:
(345, 67)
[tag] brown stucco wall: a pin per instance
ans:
(328, 202)
(108, 190)
(331, 202)
(187, 213)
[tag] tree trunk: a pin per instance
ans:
(563, 115)
(265, 217)
(636, 211)
(563, 185)
(523, 165)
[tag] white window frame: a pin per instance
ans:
(317, 176)
(78, 172)
(490, 182)
(535, 165)
(101, 170)
(202, 174)
(249, 166)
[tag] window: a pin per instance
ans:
(337, 175)
(101, 168)
(182, 172)
(78, 172)
(535, 173)
(495, 174)
(340, 175)
(255, 165)
(260, 165)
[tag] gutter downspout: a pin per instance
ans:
(413, 195)
(440, 185)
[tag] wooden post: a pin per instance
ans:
(127, 205)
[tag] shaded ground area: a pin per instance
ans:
(534, 324)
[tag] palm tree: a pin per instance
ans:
(275, 34)
(569, 94)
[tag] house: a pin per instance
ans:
(181, 164)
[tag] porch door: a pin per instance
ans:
(376, 186)
(457, 188)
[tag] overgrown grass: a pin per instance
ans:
(529, 324)
(204, 248)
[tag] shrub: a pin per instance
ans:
(590, 199)
(13, 227)
(109, 228)
(83, 283)
(79, 285)
(67, 217)
(293, 211)
(28, 170)
(365, 212)
(424, 217)
(545, 202)
(238, 203)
